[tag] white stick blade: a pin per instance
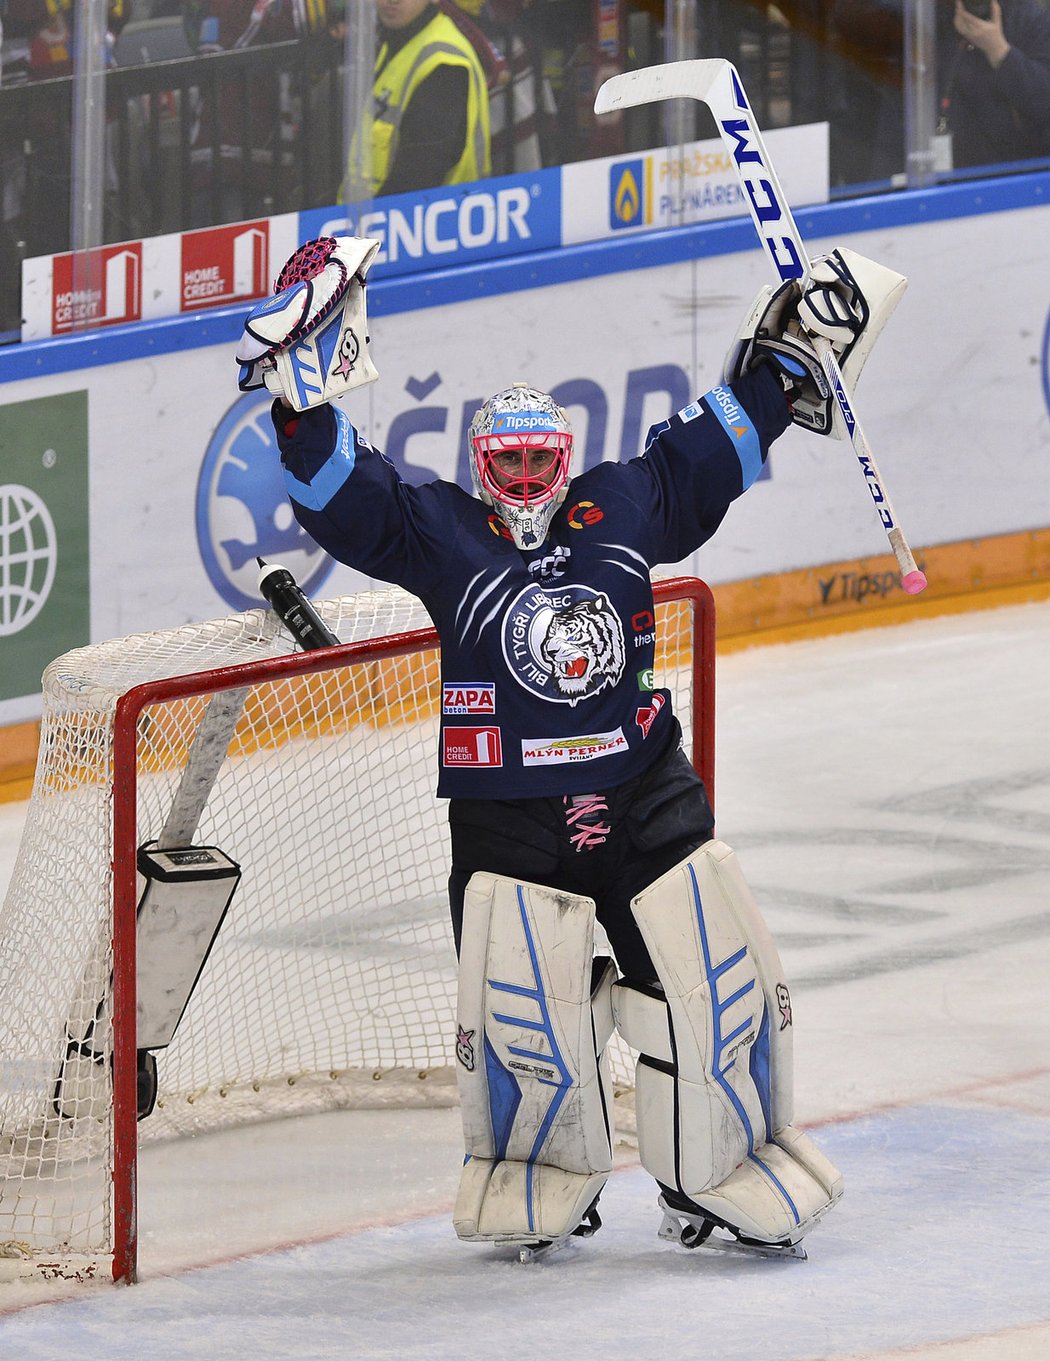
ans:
(672, 80)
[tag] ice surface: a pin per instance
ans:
(888, 793)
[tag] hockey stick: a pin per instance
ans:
(717, 84)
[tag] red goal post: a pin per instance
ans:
(375, 671)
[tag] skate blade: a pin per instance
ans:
(587, 1228)
(537, 1252)
(679, 1230)
(793, 1252)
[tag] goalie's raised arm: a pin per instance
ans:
(846, 301)
(309, 342)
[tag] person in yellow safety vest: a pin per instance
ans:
(429, 121)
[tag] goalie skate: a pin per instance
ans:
(544, 1247)
(698, 1231)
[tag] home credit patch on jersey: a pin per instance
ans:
(471, 747)
(478, 697)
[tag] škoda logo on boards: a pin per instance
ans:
(243, 512)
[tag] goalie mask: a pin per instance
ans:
(520, 451)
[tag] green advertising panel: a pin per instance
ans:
(44, 569)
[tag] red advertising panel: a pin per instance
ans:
(224, 265)
(106, 290)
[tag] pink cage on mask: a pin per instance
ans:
(512, 470)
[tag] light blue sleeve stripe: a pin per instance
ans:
(738, 427)
(331, 475)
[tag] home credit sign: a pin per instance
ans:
(105, 291)
(224, 265)
(160, 276)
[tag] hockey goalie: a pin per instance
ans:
(572, 802)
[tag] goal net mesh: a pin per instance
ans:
(332, 981)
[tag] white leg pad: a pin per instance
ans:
(534, 1017)
(713, 1086)
(778, 1193)
(510, 1202)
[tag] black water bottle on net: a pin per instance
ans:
(286, 599)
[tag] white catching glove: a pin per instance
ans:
(309, 342)
(848, 300)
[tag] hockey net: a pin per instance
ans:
(332, 980)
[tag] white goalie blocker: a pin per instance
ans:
(714, 1077)
(534, 1017)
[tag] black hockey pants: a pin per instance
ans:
(649, 824)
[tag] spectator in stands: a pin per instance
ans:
(521, 103)
(35, 156)
(865, 98)
(222, 25)
(336, 21)
(255, 105)
(993, 70)
(996, 81)
(429, 120)
(48, 27)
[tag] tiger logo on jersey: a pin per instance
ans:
(564, 645)
(584, 649)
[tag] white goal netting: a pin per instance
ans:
(332, 980)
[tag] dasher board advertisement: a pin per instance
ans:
(181, 272)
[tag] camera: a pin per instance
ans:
(980, 9)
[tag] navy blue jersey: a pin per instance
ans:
(546, 654)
